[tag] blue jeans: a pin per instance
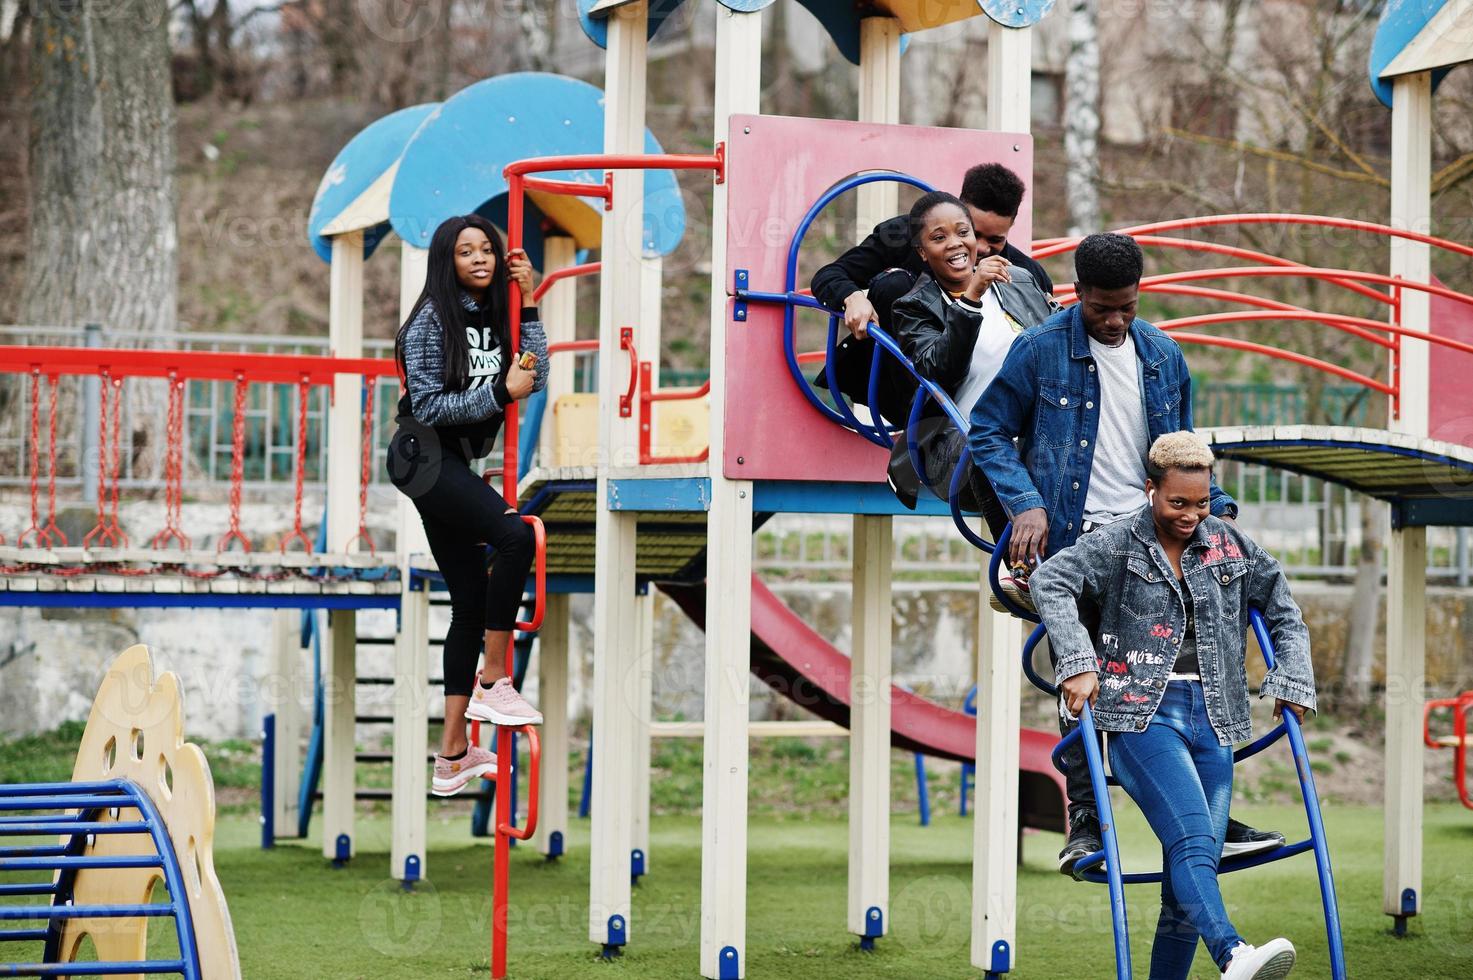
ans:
(1182, 780)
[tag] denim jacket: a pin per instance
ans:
(1046, 395)
(1119, 577)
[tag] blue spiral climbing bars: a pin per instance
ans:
(45, 806)
(1088, 868)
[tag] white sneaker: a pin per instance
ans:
(1271, 961)
(501, 704)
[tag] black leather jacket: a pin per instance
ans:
(939, 335)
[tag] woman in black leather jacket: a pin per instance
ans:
(956, 325)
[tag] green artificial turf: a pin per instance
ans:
(296, 917)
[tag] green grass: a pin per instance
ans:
(296, 917)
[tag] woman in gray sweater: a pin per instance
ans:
(460, 374)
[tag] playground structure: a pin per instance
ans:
(629, 508)
(139, 811)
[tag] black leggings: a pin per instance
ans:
(461, 515)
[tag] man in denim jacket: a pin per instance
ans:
(1063, 431)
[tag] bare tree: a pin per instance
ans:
(102, 245)
(1082, 117)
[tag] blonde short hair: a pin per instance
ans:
(1178, 451)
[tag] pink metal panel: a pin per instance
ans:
(1450, 397)
(777, 167)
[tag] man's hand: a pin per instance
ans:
(519, 380)
(1280, 704)
(1079, 690)
(858, 313)
(519, 267)
(992, 269)
(1030, 536)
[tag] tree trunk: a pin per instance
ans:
(1082, 118)
(1365, 606)
(102, 246)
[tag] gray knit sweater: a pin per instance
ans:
(485, 395)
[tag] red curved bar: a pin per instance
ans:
(1057, 246)
(557, 275)
(539, 592)
(573, 188)
(1232, 343)
(1305, 272)
(1358, 326)
(626, 400)
(619, 161)
(647, 398)
(534, 751)
(571, 345)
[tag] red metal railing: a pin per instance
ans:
(1460, 707)
(647, 398)
(116, 367)
(521, 176)
(1389, 335)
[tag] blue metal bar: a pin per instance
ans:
(923, 792)
(27, 888)
(790, 280)
(1034, 638)
(174, 881)
(583, 797)
(1086, 868)
(32, 850)
(830, 371)
(199, 600)
(268, 781)
(1311, 811)
(1086, 733)
(73, 826)
(94, 969)
(954, 500)
(19, 913)
(61, 803)
(61, 789)
(82, 862)
(917, 406)
(873, 395)
(1249, 751)
(21, 936)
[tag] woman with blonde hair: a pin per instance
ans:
(1164, 673)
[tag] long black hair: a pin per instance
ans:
(443, 291)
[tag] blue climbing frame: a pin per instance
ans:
(40, 810)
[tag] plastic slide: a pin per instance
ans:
(805, 668)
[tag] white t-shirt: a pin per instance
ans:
(993, 340)
(1117, 477)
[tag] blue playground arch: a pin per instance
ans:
(448, 159)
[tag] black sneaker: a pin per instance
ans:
(1243, 840)
(1084, 840)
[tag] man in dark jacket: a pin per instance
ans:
(992, 194)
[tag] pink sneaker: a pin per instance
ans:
(501, 704)
(452, 776)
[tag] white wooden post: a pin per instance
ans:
(560, 318)
(345, 418)
(639, 855)
(1406, 582)
(407, 853)
(552, 695)
(873, 557)
(615, 664)
(729, 564)
(999, 680)
(407, 850)
(285, 691)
